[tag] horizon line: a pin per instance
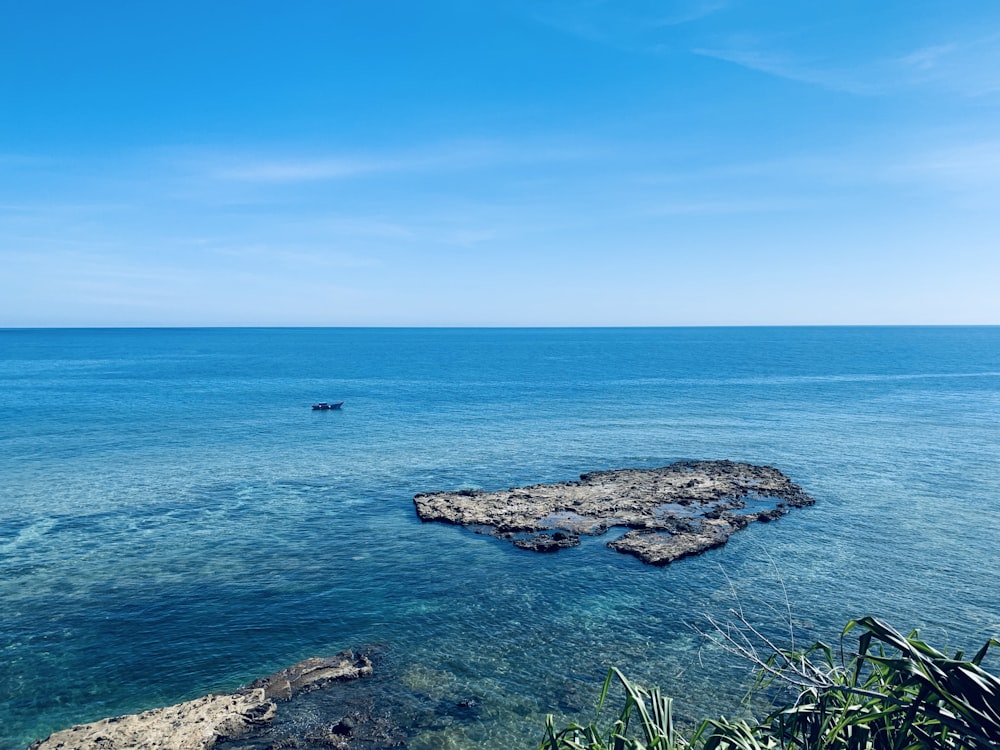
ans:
(482, 326)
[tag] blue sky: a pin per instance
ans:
(699, 162)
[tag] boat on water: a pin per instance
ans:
(324, 406)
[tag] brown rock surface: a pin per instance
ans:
(202, 723)
(673, 511)
(663, 548)
(194, 725)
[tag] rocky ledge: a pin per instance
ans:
(671, 512)
(203, 723)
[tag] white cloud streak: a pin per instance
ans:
(973, 165)
(277, 168)
(638, 27)
(968, 67)
(782, 65)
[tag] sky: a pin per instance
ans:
(527, 162)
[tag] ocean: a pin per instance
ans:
(176, 520)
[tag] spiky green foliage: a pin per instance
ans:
(647, 711)
(894, 692)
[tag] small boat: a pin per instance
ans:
(324, 406)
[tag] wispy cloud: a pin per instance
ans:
(276, 167)
(24, 160)
(48, 209)
(297, 170)
(973, 165)
(787, 66)
(953, 169)
(82, 265)
(306, 258)
(367, 228)
(470, 237)
(716, 207)
(637, 27)
(970, 67)
(927, 58)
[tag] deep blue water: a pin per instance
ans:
(174, 519)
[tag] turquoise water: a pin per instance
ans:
(175, 520)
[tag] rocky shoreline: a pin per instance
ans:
(670, 512)
(212, 720)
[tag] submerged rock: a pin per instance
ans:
(203, 723)
(547, 542)
(312, 674)
(672, 512)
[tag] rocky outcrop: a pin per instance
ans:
(672, 512)
(662, 549)
(312, 674)
(194, 725)
(203, 723)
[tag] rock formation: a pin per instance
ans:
(672, 512)
(202, 723)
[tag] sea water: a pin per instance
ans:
(176, 520)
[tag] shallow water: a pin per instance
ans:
(174, 519)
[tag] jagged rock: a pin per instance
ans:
(547, 542)
(672, 512)
(313, 673)
(194, 725)
(658, 548)
(202, 723)
(767, 516)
